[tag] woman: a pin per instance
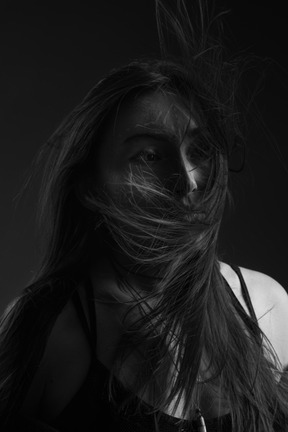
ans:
(133, 321)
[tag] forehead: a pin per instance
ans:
(152, 112)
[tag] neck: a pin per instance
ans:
(108, 267)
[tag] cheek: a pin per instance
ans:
(116, 183)
(111, 183)
(132, 188)
(203, 173)
(200, 175)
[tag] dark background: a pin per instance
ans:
(52, 53)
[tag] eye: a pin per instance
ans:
(147, 156)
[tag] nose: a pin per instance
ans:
(190, 174)
(185, 186)
(188, 177)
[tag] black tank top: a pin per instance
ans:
(90, 407)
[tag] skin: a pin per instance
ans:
(66, 360)
(150, 136)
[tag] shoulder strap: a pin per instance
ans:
(245, 292)
(90, 331)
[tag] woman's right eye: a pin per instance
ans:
(147, 156)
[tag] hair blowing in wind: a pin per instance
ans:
(187, 330)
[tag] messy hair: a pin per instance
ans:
(189, 312)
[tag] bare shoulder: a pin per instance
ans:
(270, 302)
(63, 368)
(267, 295)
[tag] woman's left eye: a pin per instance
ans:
(147, 156)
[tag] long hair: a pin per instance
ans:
(190, 310)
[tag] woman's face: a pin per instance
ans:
(151, 136)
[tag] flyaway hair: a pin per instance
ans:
(188, 331)
(184, 330)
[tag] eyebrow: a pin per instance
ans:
(162, 134)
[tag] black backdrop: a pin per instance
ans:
(52, 53)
